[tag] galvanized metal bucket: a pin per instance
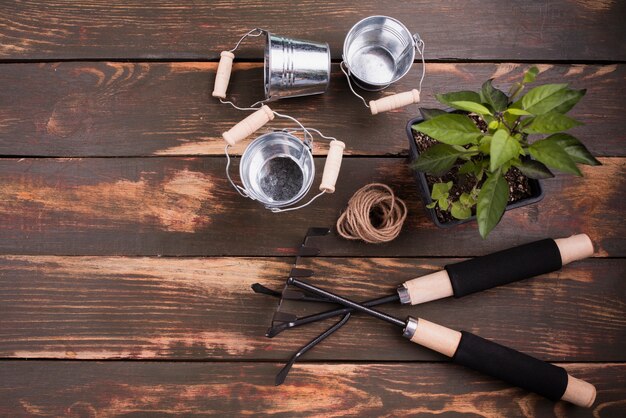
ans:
(293, 67)
(377, 52)
(277, 169)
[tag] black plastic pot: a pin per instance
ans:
(420, 178)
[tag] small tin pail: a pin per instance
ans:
(377, 52)
(293, 67)
(277, 169)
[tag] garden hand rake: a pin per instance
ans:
(480, 354)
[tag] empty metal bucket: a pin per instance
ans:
(295, 67)
(277, 169)
(378, 51)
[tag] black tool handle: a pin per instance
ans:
(504, 267)
(496, 269)
(504, 363)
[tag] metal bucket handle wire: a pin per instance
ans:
(224, 69)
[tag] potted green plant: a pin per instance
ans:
(490, 149)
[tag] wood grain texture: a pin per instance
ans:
(96, 29)
(185, 206)
(197, 308)
(141, 109)
(89, 389)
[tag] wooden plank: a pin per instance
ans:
(534, 30)
(236, 389)
(125, 109)
(197, 308)
(185, 206)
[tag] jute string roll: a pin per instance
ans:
(355, 222)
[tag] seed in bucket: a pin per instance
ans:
(281, 179)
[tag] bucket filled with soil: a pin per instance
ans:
(277, 169)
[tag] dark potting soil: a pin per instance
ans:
(519, 187)
(281, 179)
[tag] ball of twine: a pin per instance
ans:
(376, 201)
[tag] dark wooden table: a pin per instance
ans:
(127, 259)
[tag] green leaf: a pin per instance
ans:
(530, 75)
(466, 200)
(569, 103)
(484, 145)
(517, 112)
(534, 169)
(437, 159)
(443, 203)
(470, 107)
(550, 123)
(492, 199)
(494, 97)
(503, 148)
(549, 152)
(450, 129)
(561, 101)
(460, 211)
(467, 168)
(431, 113)
(441, 190)
(540, 99)
(574, 148)
(466, 96)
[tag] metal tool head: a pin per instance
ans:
(281, 318)
(282, 375)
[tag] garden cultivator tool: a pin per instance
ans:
(480, 354)
(456, 280)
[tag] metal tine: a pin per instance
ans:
(290, 294)
(283, 317)
(317, 232)
(305, 251)
(295, 272)
(259, 288)
(298, 272)
(282, 375)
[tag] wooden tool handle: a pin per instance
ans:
(574, 248)
(426, 288)
(394, 102)
(223, 74)
(332, 166)
(496, 269)
(248, 126)
(501, 362)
